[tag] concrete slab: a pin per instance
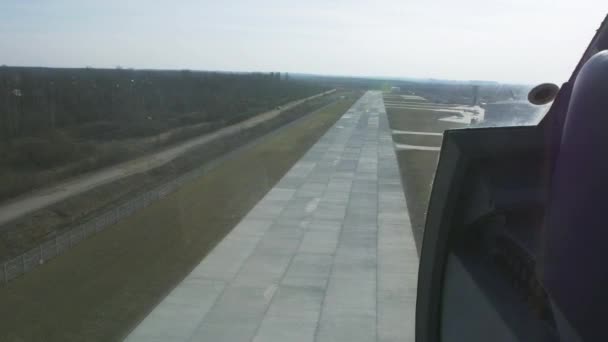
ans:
(327, 255)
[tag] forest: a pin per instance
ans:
(61, 122)
(127, 102)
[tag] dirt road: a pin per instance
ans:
(101, 288)
(44, 197)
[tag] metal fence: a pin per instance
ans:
(47, 250)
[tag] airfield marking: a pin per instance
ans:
(396, 131)
(416, 147)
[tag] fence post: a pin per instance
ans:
(5, 273)
(40, 260)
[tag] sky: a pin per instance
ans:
(516, 41)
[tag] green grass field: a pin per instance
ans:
(419, 120)
(417, 167)
(417, 173)
(104, 286)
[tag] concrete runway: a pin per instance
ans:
(327, 255)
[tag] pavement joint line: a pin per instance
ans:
(349, 300)
(416, 147)
(273, 298)
(274, 220)
(396, 131)
(331, 269)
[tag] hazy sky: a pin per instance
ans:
(511, 40)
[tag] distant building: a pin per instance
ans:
(475, 95)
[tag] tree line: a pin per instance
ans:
(137, 102)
